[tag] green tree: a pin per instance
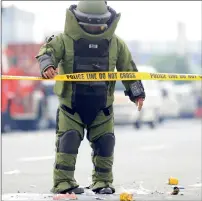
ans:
(171, 63)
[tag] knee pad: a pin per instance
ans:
(69, 142)
(104, 146)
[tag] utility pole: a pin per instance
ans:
(182, 53)
(181, 39)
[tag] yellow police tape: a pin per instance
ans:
(111, 76)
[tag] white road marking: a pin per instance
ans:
(37, 158)
(26, 196)
(196, 185)
(152, 148)
(33, 186)
(38, 196)
(12, 172)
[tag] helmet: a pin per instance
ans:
(92, 16)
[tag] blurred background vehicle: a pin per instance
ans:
(22, 106)
(124, 110)
(151, 114)
(171, 105)
(196, 90)
(51, 104)
(187, 100)
(170, 45)
(23, 101)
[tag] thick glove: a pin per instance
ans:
(136, 93)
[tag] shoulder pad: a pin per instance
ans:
(48, 39)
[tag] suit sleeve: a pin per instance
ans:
(125, 61)
(51, 53)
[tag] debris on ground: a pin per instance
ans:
(176, 191)
(66, 196)
(173, 181)
(98, 198)
(157, 192)
(126, 197)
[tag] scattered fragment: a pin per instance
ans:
(176, 190)
(98, 198)
(157, 192)
(181, 187)
(65, 196)
(89, 192)
(126, 197)
(137, 189)
(173, 181)
(33, 186)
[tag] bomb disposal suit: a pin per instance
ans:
(88, 44)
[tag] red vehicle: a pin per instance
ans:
(198, 112)
(22, 100)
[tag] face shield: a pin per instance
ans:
(94, 29)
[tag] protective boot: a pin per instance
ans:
(105, 191)
(102, 188)
(102, 158)
(67, 146)
(77, 190)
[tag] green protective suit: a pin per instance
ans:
(61, 50)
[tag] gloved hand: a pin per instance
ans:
(50, 72)
(136, 94)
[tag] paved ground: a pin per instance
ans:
(144, 160)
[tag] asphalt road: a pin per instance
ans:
(144, 160)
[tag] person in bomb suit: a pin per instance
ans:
(88, 44)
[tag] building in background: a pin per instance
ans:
(144, 51)
(17, 26)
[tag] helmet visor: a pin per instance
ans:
(92, 18)
(93, 29)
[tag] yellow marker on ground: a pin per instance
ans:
(172, 181)
(126, 197)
